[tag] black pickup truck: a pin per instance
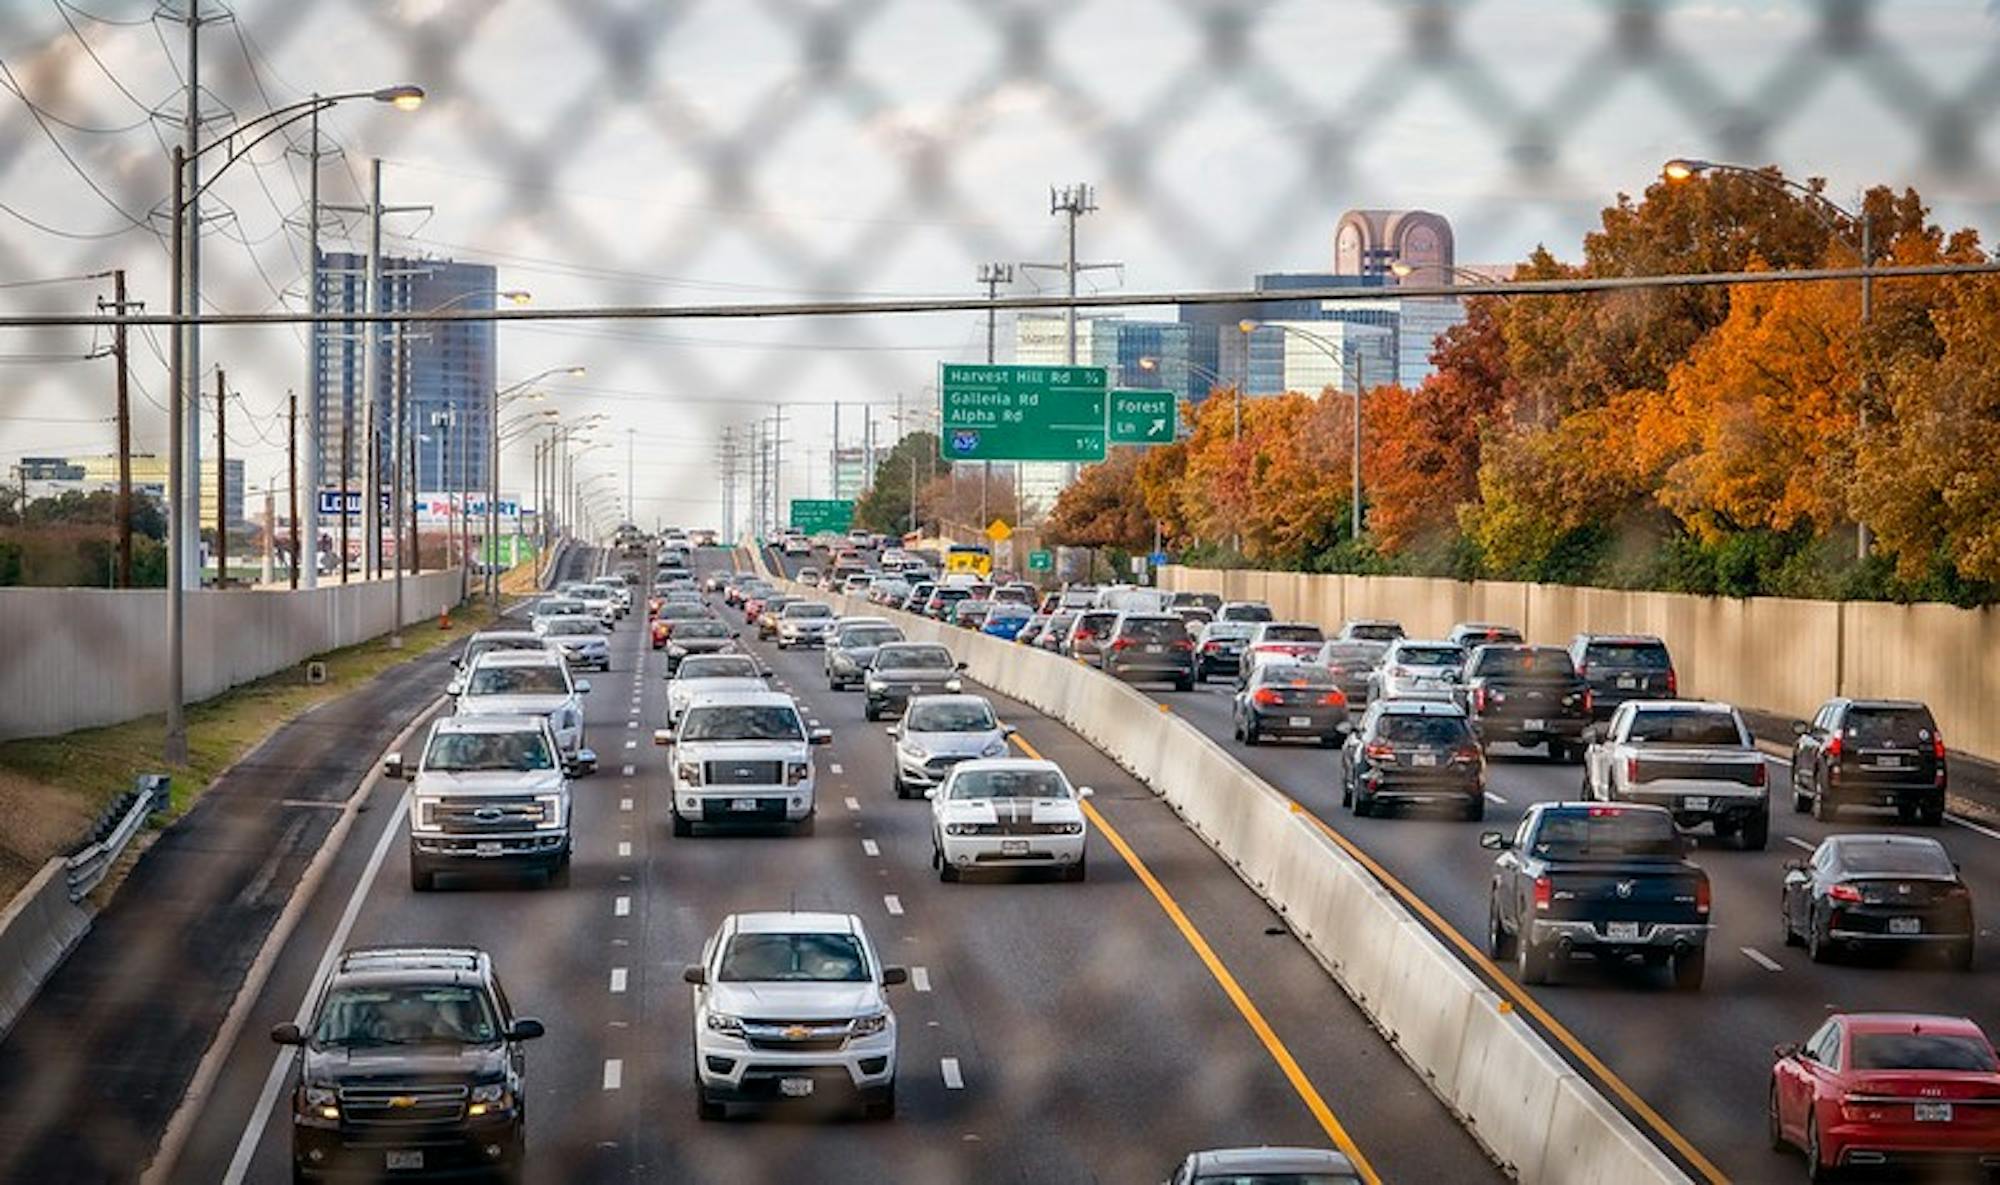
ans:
(1613, 882)
(1529, 695)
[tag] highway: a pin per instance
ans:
(1700, 1060)
(1054, 1032)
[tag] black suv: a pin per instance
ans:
(1619, 667)
(1870, 752)
(411, 1067)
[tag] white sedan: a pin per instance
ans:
(1007, 813)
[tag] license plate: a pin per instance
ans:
(1622, 931)
(1013, 847)
(1533, 725)
(742, 804)
(795, 1088)
(1933, 1112)
(1156, 649)
(1888, 763)
(1423, 759)
(403, 1161)
(1906, 925)
(1627, 682)
(1695, 802)
(1298, 721)
(487, 847)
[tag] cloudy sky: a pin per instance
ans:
(640, 151)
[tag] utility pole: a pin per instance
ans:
(221, 481)
(190, 274)
(778, 515)
(631, 503)
(993, 275)
(118, 305)
(833, 469)
(314, 424)
(1072, 202)
(270, 531)
(292, 466)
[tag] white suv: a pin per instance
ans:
(790, 1007)
(742, 757)
(531, 683)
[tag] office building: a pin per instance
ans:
(448, 370)
(50, 477)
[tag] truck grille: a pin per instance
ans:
(743, 773)
(402, 1106)
(800, 1036)
(475, 815)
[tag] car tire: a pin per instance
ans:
(557, 875)
(1251, 736)
(706, 1110)
(1817, 1171)
(1364, 804)
(422, 880)
(682, 828)
(1790, 936)
(1499, 943)
(1077, 871)
(1824, 808)
(1960, 956)
(871, 712)
(1531, 962)
(1819, 948)
(1931, 813)
(1690, 969)
(1475, 808)
(805, 826)
(1756, 833)
(883, 1108)
(1774, 1130)
(947, 871)
(1184, 683)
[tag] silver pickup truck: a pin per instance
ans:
(1694, 758)
(489, 794)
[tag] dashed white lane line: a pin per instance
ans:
(954, 1079)
(614, 1073)
(631, 724)
(624, 847)
(627, 772)
(920, 978)
(621, 907)
(624, 804)
(834, 767)
(1495, 799)
(1761, 959)
(1796, 842)
(618, 979)
(870, 848)
(635, 712)
(893, 904)
(853, 803)
(631, 744)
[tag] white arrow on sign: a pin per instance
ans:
(1159, 428)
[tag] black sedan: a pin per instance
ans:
(1878, 892)
(1290, 699)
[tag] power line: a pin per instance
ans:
(59, 232)
(63, 10)
(47, 280)
(71, 124)
(70, 160)
(104, 20)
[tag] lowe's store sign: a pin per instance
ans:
(431, 508)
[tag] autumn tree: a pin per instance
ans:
(1103, 506)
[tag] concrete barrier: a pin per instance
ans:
(38, 929)
(82, 657)
(1780, 656)
(1525, 1105)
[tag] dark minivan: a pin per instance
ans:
(1619, 667)
(1870, 752)
(1149, 646)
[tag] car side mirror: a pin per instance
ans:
(1083, 792)
(663, 736)
(892, 976)
(961, 666)
(455, 663)
(1795, 866)
(1800, 728)
(1494, 841)
(583, 687)
(892, 733)
(392, 767)
(526, 1028)
(287, 1034)
(694, 973)
(820, 736)
(1008, 730)
(584, 763)
(1785, 1051)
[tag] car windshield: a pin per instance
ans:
(568, 608)
(1639, 656)
(1246, 613)
(1351, 654)
(793, 958)
(1154, 629)
(1922, 1051)
(1292, 633)
(1862, 858)
(1408, 728)
(700, 629)
(569, 626)
(676, 611)
(1430, 656)
(1888, 726)
(1227, 630)
(521, 750)
(1008, 783)
(951, 717)
(721, 666)
(1278, 1179)
(1373, 631)
(405, 1014)
(1606, 832)
(869, 635)
(1095, 623)
(945, 595)
(743, 722)
(1689, 726)
(534, 680)
(1536, 662)
(479, 646)
(913, 658)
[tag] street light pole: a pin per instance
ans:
(1338, 355)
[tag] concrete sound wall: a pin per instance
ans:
(80, 657)
(1766, 653)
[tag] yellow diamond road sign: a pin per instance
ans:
(998, 531)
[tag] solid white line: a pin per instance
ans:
(624, 804)
(246, 1146)
(624, 847)
(853, 803)
(614, 1073)
(953, 1080)
(618, 979)
(893, 904)
(1969, 825)
(920, 978)
(628, 771)
(834, 767)
(1796, 842)
(1761, 959)
(870, 848)
(1495, 798)
(621, 907)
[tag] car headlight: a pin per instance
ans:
(425, 816)
(961, 828)
(490, 1099)
(1075, 828)
(873, 1023)
(552, 812)
(689, 772)
(797, 772)
(875, 684)
(722, 1022)
(319, 1102)
(677, 651)
(996, 749)
(953, 685)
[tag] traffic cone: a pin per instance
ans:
(444, 618)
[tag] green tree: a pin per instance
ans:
(900, 474)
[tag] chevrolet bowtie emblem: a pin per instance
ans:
(402, 1100)
(797, 1032)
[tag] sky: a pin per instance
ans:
(736, 151)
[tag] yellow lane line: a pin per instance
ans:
(1328, 1122)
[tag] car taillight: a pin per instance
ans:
(1266, 696)
(1937, 745)
(1208, 647)
(1544, 894)
(1757, 776)
(1606, 812)
(1400, 672)
(1702, 896)
(1833, 747)
(1673, 683)
(1479, 699)
(1183, 644)
(1631, 769)
(1847, 893)
(1333, 699)
(1121, 643)
(1589, 700)
(1468, 755)
(1583, 670)
(1380, 752)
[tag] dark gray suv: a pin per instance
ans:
(1143, 647)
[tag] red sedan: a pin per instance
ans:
(1888, 1089)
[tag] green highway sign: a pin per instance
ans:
(1144, 417)
(813, 515)
(1040, 561)
(1021, 413)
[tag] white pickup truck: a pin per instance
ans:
(1696, 759)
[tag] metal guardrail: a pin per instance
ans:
(85, 869)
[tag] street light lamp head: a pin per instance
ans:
(1681, 168)
(402, 98)
(1246, 325)
(516, 296)
(1401, 270)
(576, 372)
(1149, 363)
